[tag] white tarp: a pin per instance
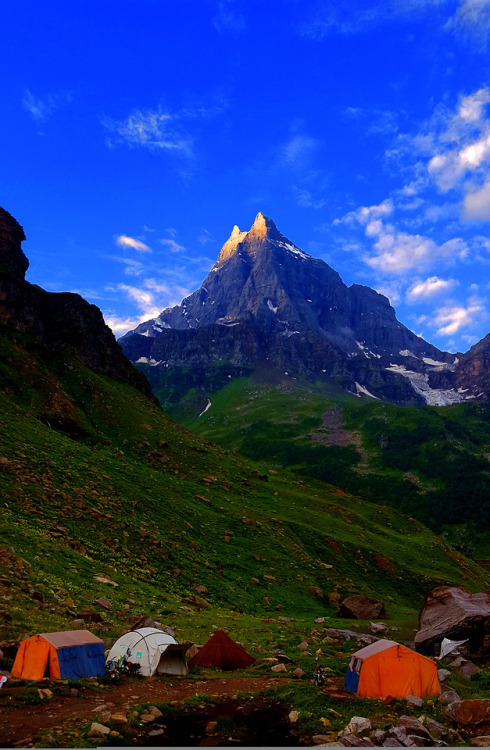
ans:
(447, 646)
(147, 648)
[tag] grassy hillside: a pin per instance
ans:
(431, 462)
(95, 479)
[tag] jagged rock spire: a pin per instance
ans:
(259, 230)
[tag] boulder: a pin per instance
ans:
(144, 621)
(451, 612)
(391, 742)
(378, 628)
(352, 740)
(279, 668)
(483, 741)
(464, 667)
(436, 730)
(413, 727)
(449, 696)
(98, 730)
(470, 713)
(414, 700)
(361, 608)
(356, 725)
(443, 674)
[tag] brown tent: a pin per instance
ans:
(221, 652)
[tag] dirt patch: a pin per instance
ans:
(332, 431)
(333, 544)
(385, 563)
(19, 725)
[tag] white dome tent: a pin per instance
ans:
(154, 650)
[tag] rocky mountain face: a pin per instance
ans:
(61, 322)
(266, 303)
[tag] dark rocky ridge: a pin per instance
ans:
(62, 322)
(266, 302)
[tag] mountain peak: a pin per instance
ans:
(261, 227)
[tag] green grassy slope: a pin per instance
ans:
(94, 478)
(431, 462)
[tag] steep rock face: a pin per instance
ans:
(266, 301)
(12, 258)
(62, 322)
(473, 370)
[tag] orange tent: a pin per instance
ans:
(386, 668)
(221, 652)
(72, 654)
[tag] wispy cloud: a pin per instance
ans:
(41, 108)
(356, 18)
(125, 241)
(472, 20)
(154, 129)
(150, 298)
(467, 19)
(132, 267)
(476, 205)
(421, 291)
(298, 151)
(228, 18)
(305, 198)
(172, 245)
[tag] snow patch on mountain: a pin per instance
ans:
(148, 361)
(360, 389)
(420, 384)
(205, 409)
(292, 249)
(271, 306)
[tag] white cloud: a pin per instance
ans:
(476, 205)
(421, 291)
(120, 326)
(471, 107)
(172, 245)
(40, 108)
(397, 252)
(449, 320)
(151, 129)
(390, 289)
(152, 296)
(472, 18)
(125, 241)
(144, 299)
(462, 142)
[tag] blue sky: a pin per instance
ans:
(134, 135)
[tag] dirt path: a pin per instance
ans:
(19, 726)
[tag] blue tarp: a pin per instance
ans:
(82, 661)
(352, 678)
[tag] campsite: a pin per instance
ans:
(270, 701)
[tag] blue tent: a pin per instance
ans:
(71, 654)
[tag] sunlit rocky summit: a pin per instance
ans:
(267, 304)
